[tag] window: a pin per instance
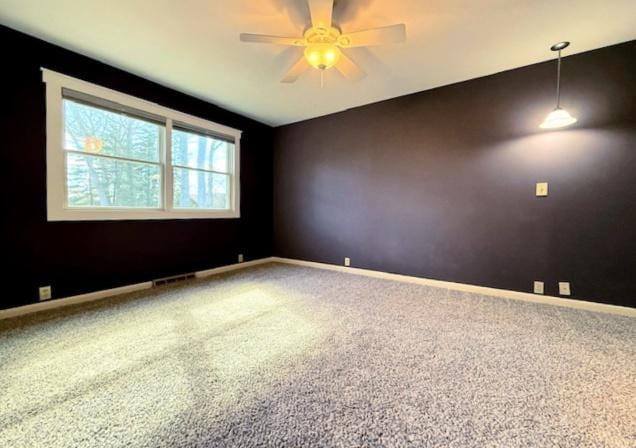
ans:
(112, 159)
(200, 170)
(112, 156)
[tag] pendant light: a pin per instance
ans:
(559, 117)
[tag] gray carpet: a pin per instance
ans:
(288, 356)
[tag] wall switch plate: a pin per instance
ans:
(542, 189)
(564, 288)
(538, 287)
(240, 258)
(45, 293)
(347, 261)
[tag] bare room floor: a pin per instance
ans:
(291, 356)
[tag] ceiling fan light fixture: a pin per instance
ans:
(322, 56)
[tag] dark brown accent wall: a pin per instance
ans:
(79, 257)
(440, 184)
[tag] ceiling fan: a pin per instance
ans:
(324, 43)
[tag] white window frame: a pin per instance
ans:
(57, 209)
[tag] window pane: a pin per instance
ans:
(98, 131)
(200, 151)
(94, 181)
(201, 189)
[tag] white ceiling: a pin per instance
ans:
(193, 45)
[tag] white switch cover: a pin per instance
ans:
(347, 261)
(45, 293)
(538, 287)
(542, 188)
(564, 288)
(240, 258)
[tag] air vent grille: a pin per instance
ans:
(174, 279)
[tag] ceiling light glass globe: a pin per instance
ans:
(322, 56)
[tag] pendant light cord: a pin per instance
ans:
(558, 92)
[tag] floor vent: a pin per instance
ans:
(173, 279)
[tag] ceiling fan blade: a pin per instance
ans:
(294, 72)
(279, 40)
(391, 34)
(349, 69)
(321, 11)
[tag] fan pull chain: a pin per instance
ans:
(322, 79)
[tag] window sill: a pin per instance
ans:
(129, 215)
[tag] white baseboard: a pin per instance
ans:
(66, 301)
(232, 267)
(96, 295)
(493, 292)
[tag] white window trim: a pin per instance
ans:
(55, 160)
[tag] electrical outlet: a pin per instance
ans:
(45, 293)
(542, 189)
(347, 261)
(240, 258)
(538, 287)
(564, 288)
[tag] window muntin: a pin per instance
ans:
(112, 156)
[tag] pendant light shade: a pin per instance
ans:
(559, 117)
